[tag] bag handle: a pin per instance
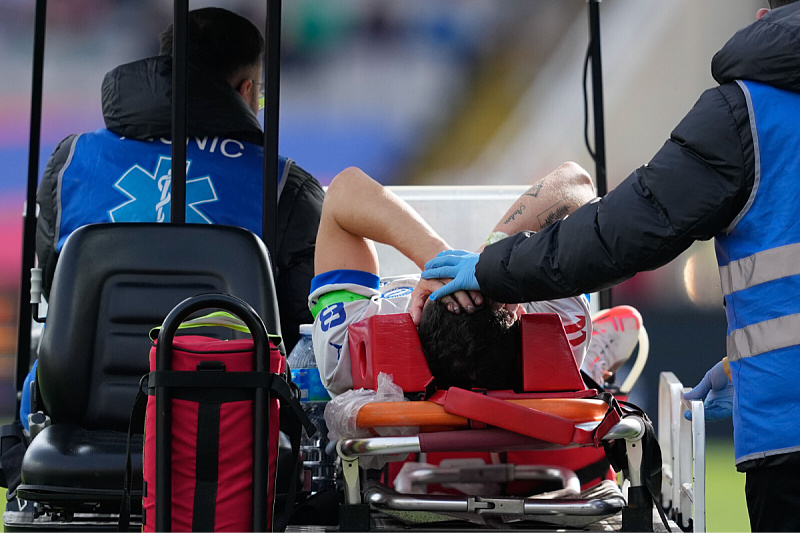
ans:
(217, 318)
(164, 354)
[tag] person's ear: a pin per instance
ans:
(761, 12)
(245, 88)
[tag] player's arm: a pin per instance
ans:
(551, 198)
(358, 211)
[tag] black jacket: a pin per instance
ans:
(692, 189)
(136, 100)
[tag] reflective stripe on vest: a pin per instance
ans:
(763, 337)
(760, 267)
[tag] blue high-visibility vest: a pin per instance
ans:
(108, 178)
(759, 260)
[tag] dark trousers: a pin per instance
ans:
(773, 497)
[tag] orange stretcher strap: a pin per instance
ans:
(425, 414)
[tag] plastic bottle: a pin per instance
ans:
(314, 397)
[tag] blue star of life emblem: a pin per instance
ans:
(149, 195)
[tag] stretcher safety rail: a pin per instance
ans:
(683, 445)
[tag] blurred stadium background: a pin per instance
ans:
(419, 92)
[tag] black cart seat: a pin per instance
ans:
(112, 285)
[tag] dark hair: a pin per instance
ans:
(779, 3)
(219, 40)
(476, 350)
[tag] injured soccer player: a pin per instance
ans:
(468, 340)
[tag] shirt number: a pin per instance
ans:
(331, 316)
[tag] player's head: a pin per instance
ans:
(471, 350)
(226, 45)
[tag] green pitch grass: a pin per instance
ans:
(726, 509)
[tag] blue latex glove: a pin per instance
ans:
(717, 392)
(456, 264)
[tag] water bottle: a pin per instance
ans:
(313, 398)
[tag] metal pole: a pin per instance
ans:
(269, 234)
(597, 97)
(599, 121)
(163, 480)
(269, 227)
(29, 214)
(179, 110)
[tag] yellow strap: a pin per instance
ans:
(218, 318)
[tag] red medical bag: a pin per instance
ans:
(214, 450)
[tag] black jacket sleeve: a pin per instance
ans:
(299, 211)
(47, 217)
(691, 190)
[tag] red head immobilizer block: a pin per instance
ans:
(547, 361)
(388, 343)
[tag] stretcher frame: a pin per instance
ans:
(562, 414)
(683, 444)
(571, 512)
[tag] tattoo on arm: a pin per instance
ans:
(535, 189)
(553, 214)
(513, 215)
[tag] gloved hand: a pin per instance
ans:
(456, 264)
(717, 392)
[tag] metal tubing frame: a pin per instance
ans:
(29, 215)
(597, 98)
(630, 428)
(500, 473)
(177, 185)
(598, 117)
(272, 69)
(501, 505)
(180, 87)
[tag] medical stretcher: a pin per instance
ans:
(554, 411)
